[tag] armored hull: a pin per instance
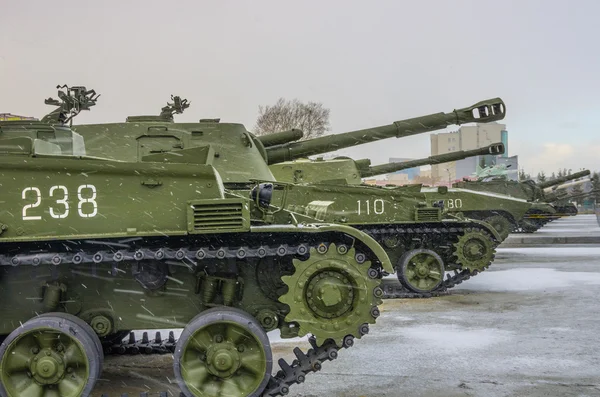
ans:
(91, 248)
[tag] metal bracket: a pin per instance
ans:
(151, 183)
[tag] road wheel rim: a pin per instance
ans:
(44, 361)
(223, 359)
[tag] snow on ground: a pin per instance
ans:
(436, 336)
(529, 280)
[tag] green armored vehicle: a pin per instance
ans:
(502, 212)
(540, 213)
(561, 200)
(563, 206)
(528, 190)
(415, 234)
(90, 247)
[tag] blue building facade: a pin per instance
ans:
(410, 172)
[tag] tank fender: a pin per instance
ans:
(367, 240)
(487, 227)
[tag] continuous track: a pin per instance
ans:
(91, 253)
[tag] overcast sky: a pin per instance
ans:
(371, 63)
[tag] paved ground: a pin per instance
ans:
(581, 229)
(527, 327)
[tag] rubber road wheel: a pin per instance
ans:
(49, 355)
(420, 270)
(223, 352)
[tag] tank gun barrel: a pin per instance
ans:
(481, 112)
(554, 197)
(495, 148)
(558, 181)
(279, 138)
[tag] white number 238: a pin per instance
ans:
(86, 202)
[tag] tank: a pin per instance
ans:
(92, 247)
(415, 234)
(540, 213)
(528, 190)
(561, 201)
(346, 170)
(504, 213)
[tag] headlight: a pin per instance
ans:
(262, 194)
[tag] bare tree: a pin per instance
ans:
(310, 117)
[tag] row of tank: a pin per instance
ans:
(151, 223)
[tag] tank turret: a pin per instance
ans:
(481, 112)
(494, 149)
(561, 180)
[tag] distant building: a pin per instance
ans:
(398, 178)
(468, 138)
(11, 117)
(411, 173)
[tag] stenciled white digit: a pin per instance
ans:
(379, 203)
(64, 201)
(29, 206)
(454, 203)
(87, 200)
(378, 206)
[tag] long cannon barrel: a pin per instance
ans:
(563, 179)
(495, 148)
(481, 112)
(568, 196)
(555, 196)
(279, 138)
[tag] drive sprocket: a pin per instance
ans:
(332, 294)
(475, 250)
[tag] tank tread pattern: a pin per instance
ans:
(279, 384)
(147, 394)
(531, 227)
(142, 346)
(392, 289)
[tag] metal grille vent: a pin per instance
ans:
(428, 214)
(218, 216)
